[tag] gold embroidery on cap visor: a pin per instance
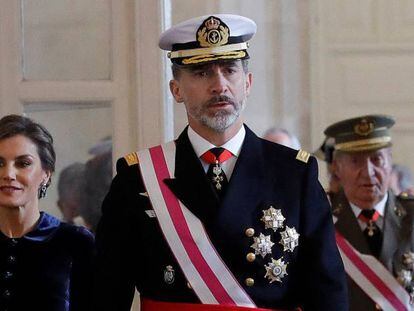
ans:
(365, 144)
(211, 57)
(210, 50)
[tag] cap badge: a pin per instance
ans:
(213, 32)
(273, 218)
(290, 239)
(262, 245)
(276, 270)
(169, 274)
(364, 127)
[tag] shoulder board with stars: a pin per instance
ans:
(303, 156)
(131, 158)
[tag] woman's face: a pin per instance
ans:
(21, 173)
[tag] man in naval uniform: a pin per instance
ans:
(367, 214)
(219, 219)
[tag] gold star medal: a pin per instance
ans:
(276, 270)
(404, 277)
(290, 239)
(408, 260)
(262, 245)
(273, 218)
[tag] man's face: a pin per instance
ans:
(214, 94)
(364, 176)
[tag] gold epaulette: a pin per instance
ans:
(405, 196)
(131, 158)
(303, 156)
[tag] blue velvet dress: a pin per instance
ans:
(49, 268)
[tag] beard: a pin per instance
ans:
(222, 119)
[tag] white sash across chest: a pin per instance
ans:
(373, 278)
(208, 275)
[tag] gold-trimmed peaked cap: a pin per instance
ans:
(365, 133)
(208, 38)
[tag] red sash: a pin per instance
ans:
(151, 305)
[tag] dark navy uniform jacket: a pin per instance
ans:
(132, 250)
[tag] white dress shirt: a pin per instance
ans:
(234, 145)
(380, 208)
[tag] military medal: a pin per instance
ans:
(169, 274)
(276, 270)
(290, 239)
(218, 176)
(262, 245)
(408, 260)
(404, 277)
(371, 227)
(273, 218)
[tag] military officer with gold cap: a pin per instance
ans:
(369, 217)
(218, 219)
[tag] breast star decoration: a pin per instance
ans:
(273, 218)
(404, 277)
(408, 260)
(262, 245)
(290, 239)
(276, 270)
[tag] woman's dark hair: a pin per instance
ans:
(13, 125)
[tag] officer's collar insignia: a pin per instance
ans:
(169, 274)
(273, 218)
(364, 127)
(276, 270)
(262, 245)
(337, 209)
(213, 32)
(290, 239)
(398, 211)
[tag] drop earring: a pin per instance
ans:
(42, 190)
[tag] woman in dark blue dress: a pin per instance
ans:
(45, 264)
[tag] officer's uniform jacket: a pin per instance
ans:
(133, 252)
(397, 239)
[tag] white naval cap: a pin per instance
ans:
(208, 38)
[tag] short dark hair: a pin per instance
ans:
(70, 181)
(12, 125)
(176, 69)
(96, 184)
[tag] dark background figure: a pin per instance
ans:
(70, 187)
(283, 137)
(45, 264)
(402, 180)
(96, 182)
(325, 153)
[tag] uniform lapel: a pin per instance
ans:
(391, 229)
(190, 183)
(347, 224)
(247, 179)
